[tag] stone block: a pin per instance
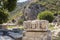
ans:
(44, 25)
(33, 24)
(27, 24)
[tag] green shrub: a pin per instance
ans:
(46, 15)
(20, 22)
(59, 12)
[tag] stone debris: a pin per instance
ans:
(5, 38)
(14, 34)
(56, 21)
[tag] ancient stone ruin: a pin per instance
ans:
(37, 30)
(56, 22)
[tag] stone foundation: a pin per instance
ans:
(37, 36)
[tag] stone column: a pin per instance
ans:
(38, 31)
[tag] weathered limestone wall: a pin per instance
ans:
(37, 30)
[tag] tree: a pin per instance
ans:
(46, 15)
(11, 4)
(5, 7)
(3, 16)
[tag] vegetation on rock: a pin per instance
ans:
(52, 5)
(46, 15)
(20, 22)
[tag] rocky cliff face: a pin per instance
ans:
(32, 11)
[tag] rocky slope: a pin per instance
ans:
(36, 6)
(32, 10)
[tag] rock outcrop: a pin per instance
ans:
(32, 10)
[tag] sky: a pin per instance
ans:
(22, 0)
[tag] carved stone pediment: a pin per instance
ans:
(36, 25)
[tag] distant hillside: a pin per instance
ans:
(31, 8)
(37, 6)
(18, 9)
